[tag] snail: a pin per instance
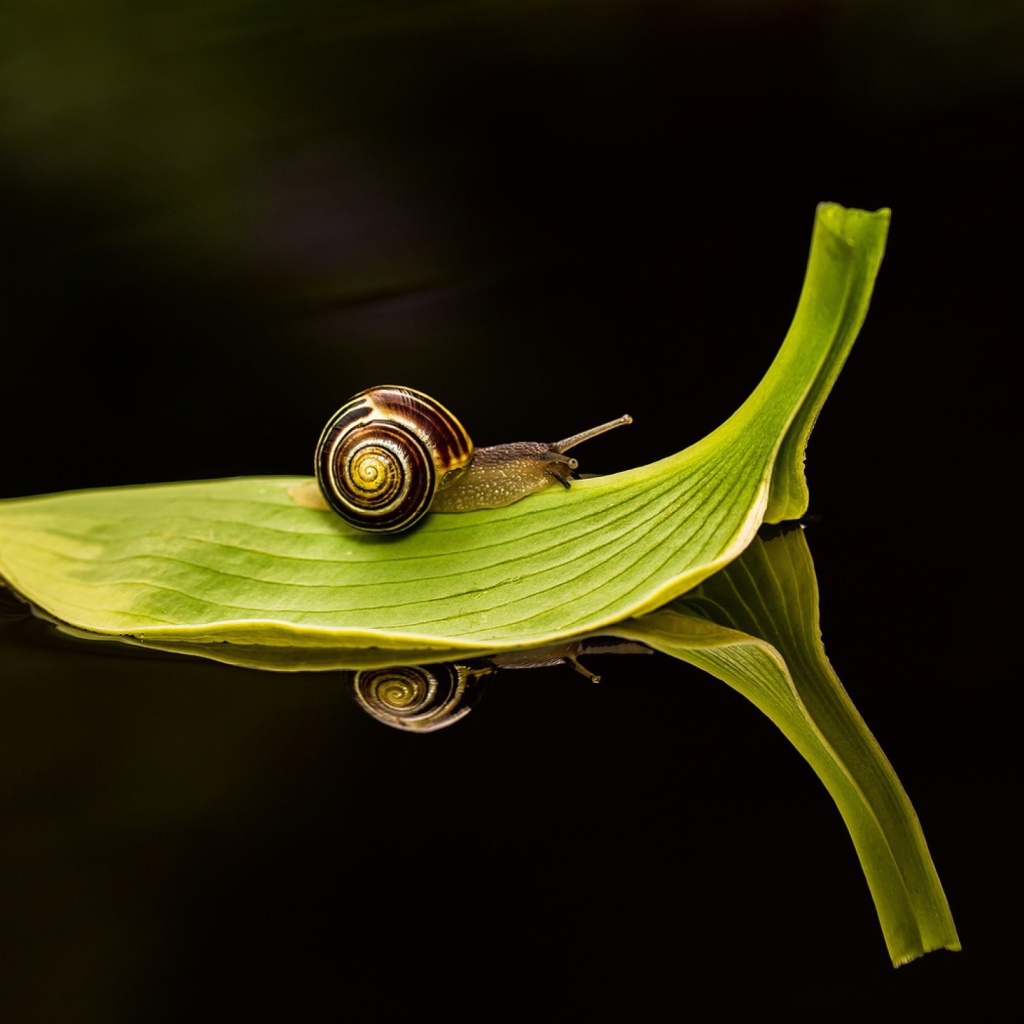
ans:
(391, 454)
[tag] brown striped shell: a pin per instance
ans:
(384, 453)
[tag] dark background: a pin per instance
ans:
(221, 220)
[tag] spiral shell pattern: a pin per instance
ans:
(382, 456)
(419, 698)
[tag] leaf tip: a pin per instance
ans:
(850, 224)
(905, 958)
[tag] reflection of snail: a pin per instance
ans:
(424, 698)
(391, 454)
(420, 698)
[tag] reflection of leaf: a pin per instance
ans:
(755, 626)
(238, 561)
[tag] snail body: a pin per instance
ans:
(391, 454)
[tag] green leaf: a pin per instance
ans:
(238, 561)
(755, 626)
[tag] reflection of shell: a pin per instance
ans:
(419, 698)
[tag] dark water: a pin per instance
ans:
(219, 222)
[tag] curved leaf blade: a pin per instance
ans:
(237, 561)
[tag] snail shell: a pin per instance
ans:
(385, 453)
(420, 698)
